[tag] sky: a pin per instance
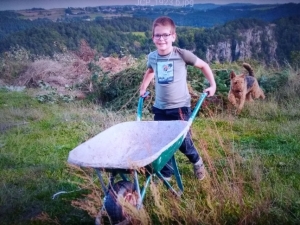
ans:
(48, 4)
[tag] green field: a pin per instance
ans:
(253, 164)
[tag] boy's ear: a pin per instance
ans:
(174, 37)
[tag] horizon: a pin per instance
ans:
(49, 4)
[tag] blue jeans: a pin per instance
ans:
(187, 147)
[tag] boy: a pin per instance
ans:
(168, 65)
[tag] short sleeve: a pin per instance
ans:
(189, 57)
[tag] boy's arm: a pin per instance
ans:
(204, 67)
(148, 77)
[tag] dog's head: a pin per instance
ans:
(238, 83)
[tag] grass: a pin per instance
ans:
(142, 34)
(35, 141)
(253, 164)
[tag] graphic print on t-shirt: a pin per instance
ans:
(165, 72)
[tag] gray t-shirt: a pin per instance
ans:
(171, 78)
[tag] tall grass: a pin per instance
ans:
(252, 161)
(35, 141)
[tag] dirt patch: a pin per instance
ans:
(66, 71)
(115, 65)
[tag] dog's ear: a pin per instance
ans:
(232, 75)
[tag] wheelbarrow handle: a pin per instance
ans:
(140, 105)
(197, 107)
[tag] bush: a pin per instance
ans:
(121, 90)
(271, 84)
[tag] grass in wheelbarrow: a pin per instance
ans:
(252, 163)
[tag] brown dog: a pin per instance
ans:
(243, 88)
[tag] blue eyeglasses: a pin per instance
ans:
(164, 36)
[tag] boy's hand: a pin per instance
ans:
(146, 95)
(142, 92)
(211, 91)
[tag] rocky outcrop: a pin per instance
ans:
(254, 43)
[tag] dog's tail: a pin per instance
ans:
(249, 69)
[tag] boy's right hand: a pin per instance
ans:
(142, 92)
(146, 94)
(210, 91)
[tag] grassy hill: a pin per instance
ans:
(253, 163)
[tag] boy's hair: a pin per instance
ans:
(164, 21)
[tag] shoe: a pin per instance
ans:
(199, 171)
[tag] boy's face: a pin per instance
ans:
(163, 39)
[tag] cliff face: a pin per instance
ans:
(258, 42)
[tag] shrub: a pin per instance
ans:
(121, 91)
(272, 83)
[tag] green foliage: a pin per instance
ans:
(196, 16)
(105, 36)
(196, 79)
(96, 72)
(51, 96)
(120, 91)
(12, 22)
(273, 82)
(13, 63)
(288, 42)
(222, 81)
(295, 59)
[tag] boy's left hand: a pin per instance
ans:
(211, 91)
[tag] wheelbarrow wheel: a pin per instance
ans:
(122, 189)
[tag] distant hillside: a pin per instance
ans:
(245, 31)
(198, 15)
(210, 15)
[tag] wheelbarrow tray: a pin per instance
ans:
(132, 145)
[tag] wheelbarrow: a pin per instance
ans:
(127, 148)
